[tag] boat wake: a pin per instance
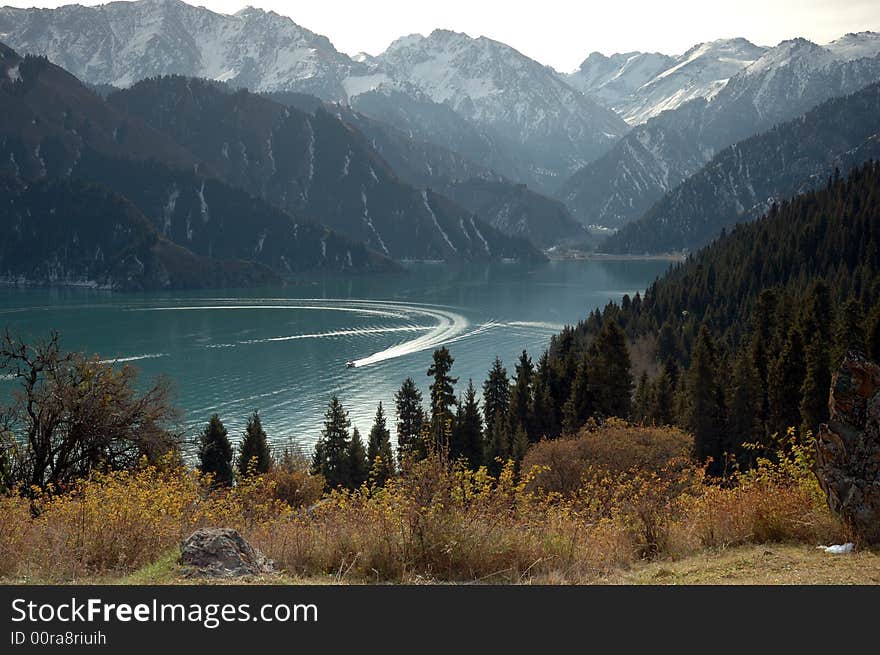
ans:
(446, 326)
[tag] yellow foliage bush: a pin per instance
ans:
(432, 523)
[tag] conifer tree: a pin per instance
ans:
(410, 417)
(705, 403)
(498, 443)
(358, 467)
(611, 372)
(496, 404)
(662, 397)
(215, 452)
(580, 404)
(785, 379)
(744, 423)
(442, 399)
(379, 455)
(815, 327)
(850, 332)
(545, 409)
(521, 396)
(873, 333)
(254, 456)
(643, 400)
(332, 457)
(467, 440)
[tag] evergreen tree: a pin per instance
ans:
(580, 404)
(662, 397)
(442, 399)
(610, 372)
(498, 443)
(850, 333)
(643, 400)
(545, 411)
(467, 439)
(254, 455)
(332, 456)
(410, 417)
(705, 403)
(358, 467)
(215, 452)
(496, 404)
(744, 423)
(784, 382)
(521, 396)
(519, 445)
(873, 333)
(379, 455)
(817, 380)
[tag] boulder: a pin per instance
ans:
(848, 448)
(222, 553)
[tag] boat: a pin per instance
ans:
(349, 364)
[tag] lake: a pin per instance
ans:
(285, 351)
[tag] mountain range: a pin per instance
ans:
(656, 156)
(442, 147)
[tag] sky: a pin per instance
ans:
(561, 33)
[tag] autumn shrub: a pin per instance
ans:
(434, 522)
(613, 446)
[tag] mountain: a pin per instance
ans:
(68, 232)
(476, 96)
(120, 43)
(53, 126)
(653, 158)
(509, 95)
(743, 180)
(613, 80)
(313, 165)
(510, 207)
(639, 86)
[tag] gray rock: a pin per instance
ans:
(848, 448)
(222, 553)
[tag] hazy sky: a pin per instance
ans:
(562, 33)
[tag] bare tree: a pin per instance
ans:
(73, 413)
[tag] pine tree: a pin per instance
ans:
(581, 403)
(410, 417)
(254, 456)
(705, 403)
(815, 324)
(785, 379)
(643, 400)
(496, 404)
(379, 455)
(850, 332)
(467, 439)
(662, 396)
(215, 452)
(498, 443)
(332, 457)
(744, 423)
(521, 396)
(545, 411)
(442, 399)
(610, 372)
(873, 333)
(358, 467)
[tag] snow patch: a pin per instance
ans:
(436, 222)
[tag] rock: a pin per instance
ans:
(848, 448)
(222, 553)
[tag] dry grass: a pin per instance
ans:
(757, 564)
(432, 524)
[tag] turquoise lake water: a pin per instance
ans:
(285, 351)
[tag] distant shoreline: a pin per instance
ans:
(609, 257)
